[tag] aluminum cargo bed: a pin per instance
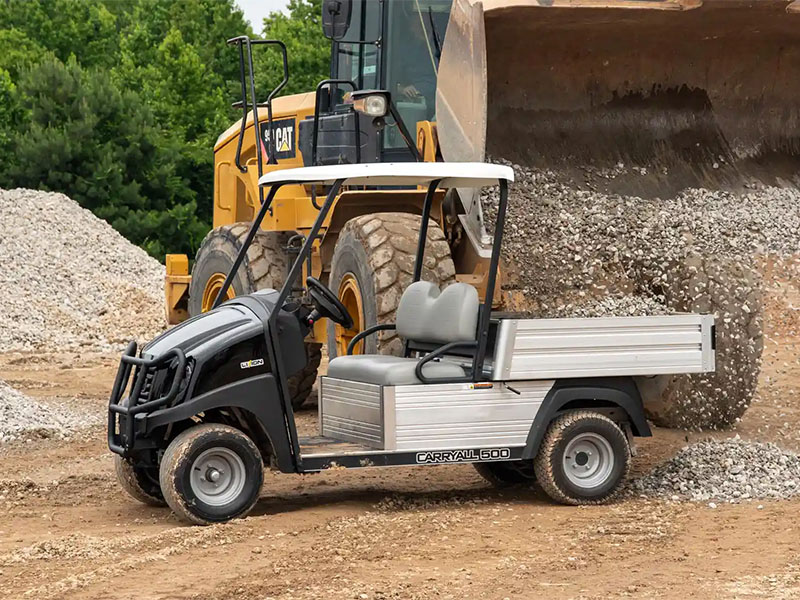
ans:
(603, 346)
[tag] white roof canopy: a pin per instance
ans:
(452, 174)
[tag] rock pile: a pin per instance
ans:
(572, 251)
(730, 470)
(22, 417)
(69, 280)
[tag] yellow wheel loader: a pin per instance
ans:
(690, 92)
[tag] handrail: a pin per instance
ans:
(368, 331)
(437, 353)
(315, 132)
(243, 41)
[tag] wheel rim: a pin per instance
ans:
(211, 291)
(588, 460)
(218, 476)
(350, 296)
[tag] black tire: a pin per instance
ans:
(377, 251)
(139, 482)
(265, 266)
(300, 385)
(732, 291)
(507, 473)
(182, 477)
(574, 432)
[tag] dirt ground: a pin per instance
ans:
(67, 531)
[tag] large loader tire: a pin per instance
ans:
(373, 263)
(732, 291)
(265, 266)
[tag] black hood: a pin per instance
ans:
(205, 334)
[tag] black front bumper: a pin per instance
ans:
(122, 419)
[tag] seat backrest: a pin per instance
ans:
(426, 314)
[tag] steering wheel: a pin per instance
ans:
(327, 304)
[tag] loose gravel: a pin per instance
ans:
(730, 470)
(23, 418)
(69, 280)
(573, 251)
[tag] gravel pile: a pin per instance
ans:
(730, 470)
(573, 251)
(22, 418)
(70, 280)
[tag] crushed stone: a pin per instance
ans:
(573, 251)
(23, 418)
(70, 280)
(730, 470)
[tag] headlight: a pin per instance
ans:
(373, 104)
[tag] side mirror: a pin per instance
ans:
(336, 18)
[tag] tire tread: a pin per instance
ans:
(172, 461)
(543, 463)
(390, 243)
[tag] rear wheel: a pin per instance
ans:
(583, 459)
(211, 473)
(373, 263)
(506, 474)
(265, 266)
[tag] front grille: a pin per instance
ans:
(147, 387)
(157, 382)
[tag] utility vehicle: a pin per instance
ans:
(195, 416)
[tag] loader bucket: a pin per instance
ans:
(679, 93)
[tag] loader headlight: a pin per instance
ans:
(369, 102)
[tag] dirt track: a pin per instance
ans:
(434, 532)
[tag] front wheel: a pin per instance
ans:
(584, 458)
(211, 473)
(141, 483)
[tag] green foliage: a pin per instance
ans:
(101, 146)
(10, 119)
(80, 28)
(18, 52)
(118, 103)
(308, 50)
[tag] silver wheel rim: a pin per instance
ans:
(218, 476)
(588, 460)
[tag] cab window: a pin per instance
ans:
(357, 57)
(414, 38)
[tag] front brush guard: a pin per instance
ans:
(122, 442)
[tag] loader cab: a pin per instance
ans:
(391, 46)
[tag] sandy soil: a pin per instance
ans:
(67, 531)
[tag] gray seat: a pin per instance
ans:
(388, 370)
(424, 315)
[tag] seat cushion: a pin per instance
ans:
(388, 370)
(426, 314)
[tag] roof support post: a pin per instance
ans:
(494, 262)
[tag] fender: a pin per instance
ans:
(613, 391)
(258, 394)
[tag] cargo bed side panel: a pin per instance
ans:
(603, 347)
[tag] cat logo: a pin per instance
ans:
(284, 137)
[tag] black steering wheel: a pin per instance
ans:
(326, 304)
